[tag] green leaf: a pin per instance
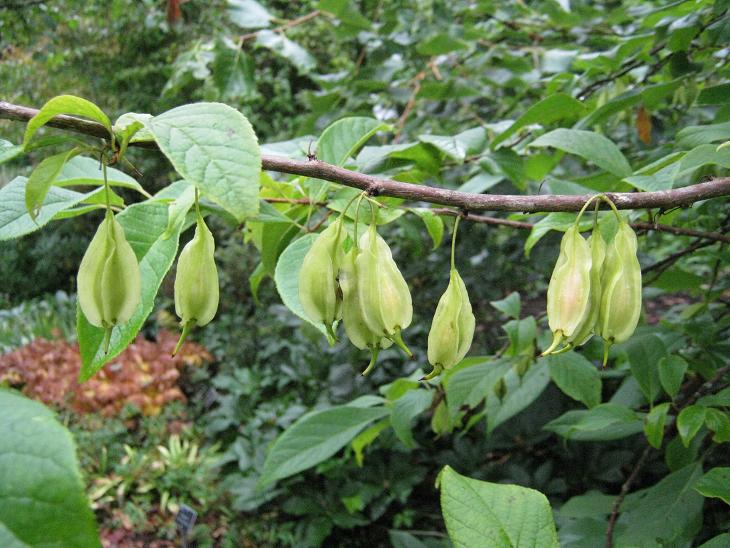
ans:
(233, 72)
(671, 373)
(689, 422)
(716, 484)
(42, 498)
(604, 422)
(721, 399)
(286, 276)
(548, 110)
(590, 504)
(365, 438)
(342, 139)
(248, 14)
(456, 146)
(178, 210)
(720, 541)
(289, 50)
(86, 171)
(403, 539)
(214, 147)
(470, 385)
(521, 335)
(654, 424)
(65, 104)
(719, 423)
(589, 145)
(576, 377)
(315, 437)
(693, 136)
(666, 514)
(440, 44)
(478, 513)
(144, 225)
(714, 95)
(509, 306)
(644, 354)
(404, 410)
(15, 221)
(8, 151)
(41, 179)
(520, 391)
(434, 224)
(132, 127)
(345, 11)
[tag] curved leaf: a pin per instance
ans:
(65, 104)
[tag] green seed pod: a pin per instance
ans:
(196, 282)
(318, 288)
(569, 291)
(108, 281)
(386, 301)
(452, 329)
(621, 282)
(356, 328)
(598, 255)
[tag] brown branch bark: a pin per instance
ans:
(377, 186)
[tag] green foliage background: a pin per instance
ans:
(449, 77)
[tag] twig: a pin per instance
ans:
(622, 495)
(662, 265)
(377, 186)
(282, 28)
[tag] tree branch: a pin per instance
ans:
(377, 186)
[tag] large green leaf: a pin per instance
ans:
(589, 145)
(42, 499)
(577, 377)
(548, 110)
(715, 483)
(145, 226)
(15, 221)
(314, 438)
(405, 409)
(478, 513)
(286, 276)
(214, 147)
(608, 421)
(65, 104)
(666, 514)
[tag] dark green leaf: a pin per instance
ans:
(654, 424)
(404, 410)
(689, 422)
(715, 483)
(42, 499)
(671, 373)
(314, 438)
(577, 377)
(509, 306)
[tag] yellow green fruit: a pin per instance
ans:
(621, 288)
(598, 256)
(383, 292)
(196, 281)
(109, 287)
(319, 291)
(356, 328)
(452, 328)
(569, 290)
